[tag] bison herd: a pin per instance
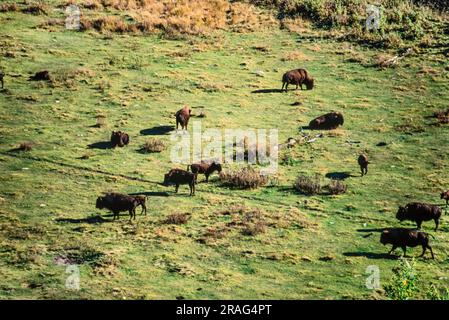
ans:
(397, 237)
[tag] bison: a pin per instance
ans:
(297, 77)
(328, 121)
(117, 203)
(419, 212)
(363, 163)
(206, 168)
(119, 138)
(2, 75)
(445, 196)
(403, 238)
(41, 76)
(182, 117)
(178, 177)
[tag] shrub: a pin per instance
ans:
(336, 187)
(308, 185)
(177, 218)
(253, 229)
(9, 7)
(246, 178)
(154, 145)
(37, 8)
(403, 285)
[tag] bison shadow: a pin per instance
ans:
(318, 129)
(90, 220)
(155, 131)
(151, 194)
(100, 145)
(267, 91)
(371, 230)
(371, 255)
(338, 175)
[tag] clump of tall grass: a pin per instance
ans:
(154, 145)
(176, 18)
(308, 185)
(177, 218)
(336, 187)
(245, 178)
(313, 186)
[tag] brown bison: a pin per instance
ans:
(206, 168)
(297, 77)
(182, 117)
(328, 121)
(445, 196)
(2, 75)
(419, 212)
(119, 138)
(178, 177)
(117, 203)
(41, 76)
(363, 163)
(403, 238)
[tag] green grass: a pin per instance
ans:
(138, 82)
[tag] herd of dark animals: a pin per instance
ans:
(397, 237)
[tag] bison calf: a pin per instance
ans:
(182, 117)
(327, 122)
(119, 138)
(178, 177)
(419, 212)
(297, 77)
(445, 196)
(206, 168)
(363, 163)
(117, 203)
(403, 238)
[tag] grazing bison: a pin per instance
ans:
(41, 76)
(363, 163)
(419, 212)
(182, 117)
(119, 138)
(445, 196)
(2, 75)
(403, 238)
(179, 176)
(297, 77)
(327, 122)
(117, 203)
(206, 168)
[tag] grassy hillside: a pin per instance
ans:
(309, 246)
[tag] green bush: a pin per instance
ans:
(403, 18)
(403, 285)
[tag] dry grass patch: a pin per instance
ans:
(177, 218)
(296, 55)
(308, 185)
(246, 178)
(177, 19)
(154, 145)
